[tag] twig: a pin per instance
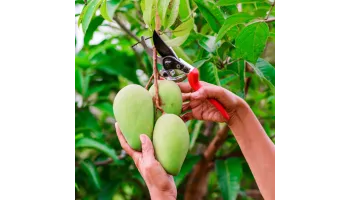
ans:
(216, 143)
(269, 12)
(269, 20)
(85, 1)
(149, 82)
(155, 76)
(104, 162)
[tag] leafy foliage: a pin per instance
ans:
(228, 40)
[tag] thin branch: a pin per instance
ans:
(104, 162)
(216, 143)
(272, 19)
(85, 1)
(156, 76)
(269, 12)
(149, 82)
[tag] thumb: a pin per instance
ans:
(147, 147)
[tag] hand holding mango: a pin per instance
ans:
(135, 113)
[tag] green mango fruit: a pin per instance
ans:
(171, 142)
(170, 95)
(133, 109)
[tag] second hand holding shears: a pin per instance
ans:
(171, 62)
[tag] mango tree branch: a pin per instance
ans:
(269, 12)
(155, 76)
(149, 82)
(198, 180)
(155, 70)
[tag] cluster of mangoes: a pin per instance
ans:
(136, 114)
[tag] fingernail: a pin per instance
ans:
(143, 138)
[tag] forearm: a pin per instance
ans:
(257, 148)
(161, 195)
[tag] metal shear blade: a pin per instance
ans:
(161, 47)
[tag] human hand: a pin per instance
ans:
(202, 109)
(159, 183)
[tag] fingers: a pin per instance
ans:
(185, 87)
(147, 148)
(187, 116)
(186, 97)
(207, 92)
(186, 107)
(124, 144)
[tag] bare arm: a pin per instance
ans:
(256, 146)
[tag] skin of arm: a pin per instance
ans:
(256, 146)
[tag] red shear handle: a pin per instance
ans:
(193, 79)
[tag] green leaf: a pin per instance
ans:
(265, 71)
(79, 136)
(226, 80)
(229, 174)
(105, 107)
(184, 28)
(76, 187)
(162, 9)
(232, 22)
(211, 13)
(91, 143)
(208, 73)
(171, 14)
(101, 48)
(108, 8)
(87, 13)
(232, 33)
(207, 42)
(199, 63)
(241, 74)
(79, 80)
(186, 168)
(195, 133)
(175, 42)
(238, 67)
(251, 41)
(184, 10)
(181, 54)
(148, 12)
(224, 50)
(85, 119)
(234, 2)
(95, 22)
(90, 170)
(94, 89)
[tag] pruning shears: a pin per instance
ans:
(170, 62)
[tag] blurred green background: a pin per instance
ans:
(232, 44)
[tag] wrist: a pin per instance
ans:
(156, 194)
(238, 114)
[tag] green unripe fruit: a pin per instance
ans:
(171, 142)
(133, 109)
(170, 95)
